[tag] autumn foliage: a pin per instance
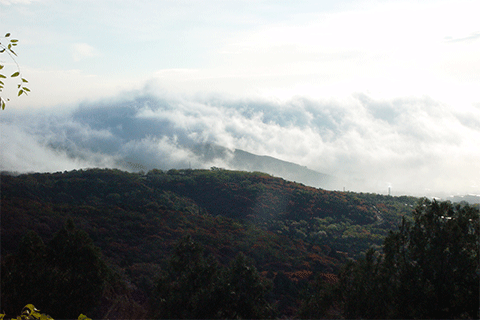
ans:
(292, 232)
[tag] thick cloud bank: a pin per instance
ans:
(413, 146)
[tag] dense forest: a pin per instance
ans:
(139, 245)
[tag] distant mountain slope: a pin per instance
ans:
(243, 160)
(246, 161)
(470, 198)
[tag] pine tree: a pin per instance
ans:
(77, 272)
(65, 277)
(189, 287)
(197, 287)
(429, 269)
(24, 275)
(245, 291)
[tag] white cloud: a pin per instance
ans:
(410, 144)
(383, 48)
(385, 90)
(10, 2)
(26, 152)
(52, 88)
(82, 51)
(390, 50)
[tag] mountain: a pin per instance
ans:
(293, 232)
(246, 161)
(469, 198)
(243, 160)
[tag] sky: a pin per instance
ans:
(384, 92)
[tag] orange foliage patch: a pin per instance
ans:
(329, 277)
(299, 275)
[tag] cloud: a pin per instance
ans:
(24, 151)
(410, 144)
(473, 36)
(81, 51)
(10, 2)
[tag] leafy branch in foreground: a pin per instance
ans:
(29, 312)
(8, 49)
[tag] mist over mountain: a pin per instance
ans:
(290, 171)
(246, 161)
(410, 146)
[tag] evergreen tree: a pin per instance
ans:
(434, 263)
(318, 300)
(24, 276)
(78, 273)
(245, 291)
(197, 287)
(65, 277)
(429, 269)
(189, 289)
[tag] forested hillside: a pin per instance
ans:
(291, 232)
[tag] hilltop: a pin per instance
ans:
(136, 218)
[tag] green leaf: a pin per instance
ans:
(26, 89)
(24, 80)
(14, 40)
(2, 51)
(20, 92)
(7, 35)
(2, 76)
(1, 66)
(16, 74)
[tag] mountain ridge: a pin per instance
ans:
(135, 219)
(246, 161)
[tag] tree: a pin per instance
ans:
(244, 291)
(77, 271)
(361, 289)
(8, 49)
(319, 300)
(429, 269)
(24, 273)
(433, 263)
(67, 276)
(195, 286)
(189, 289)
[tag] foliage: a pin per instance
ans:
(436, 258)
(318, 299)
(69, 266)
(189, 289)
(244, 291)
(198, 287)
(429, 269)
(29, 312)
(8, 49)
(291, 231)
